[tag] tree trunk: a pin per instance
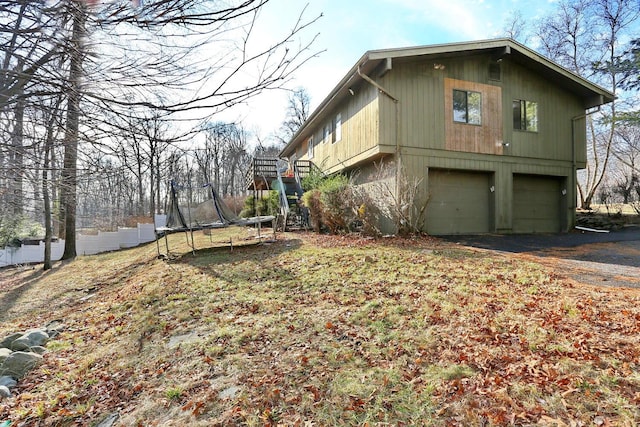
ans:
(48, 226)
(157, 208)
(17, 155)
(47, 175)
(153, 172)
(69, 167)
(141, 193)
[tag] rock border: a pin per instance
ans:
(20, 352)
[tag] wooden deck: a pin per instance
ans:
(262, 172)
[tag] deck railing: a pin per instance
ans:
(262, 171)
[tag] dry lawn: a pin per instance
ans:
(318, 330)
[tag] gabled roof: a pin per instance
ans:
(592, 94)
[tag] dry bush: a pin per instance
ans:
(338, 206)
(311, 200)
(403, 206)
(335, 197)
(235, 203)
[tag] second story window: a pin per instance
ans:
(326, 132)
(467, 107)
(337, 128)
(525, 115)
(310, 147)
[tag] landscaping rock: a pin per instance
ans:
(21, 352)
(32, 338)
(109, 420)
(54, 328)
(188, 338)
(19, 363)
(599, 221)
(8, 382)
(38, 349)
(229, 393)
(4, 392)
(8, 340)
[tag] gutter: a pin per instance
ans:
(396, 102)
(374, 83)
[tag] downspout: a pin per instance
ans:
(396, 101)
(573, 154)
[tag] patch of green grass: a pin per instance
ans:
(177, 297)
(376, 396)
(453, 372)
(59, 344)
(570, 309)
(536, 337)
(40, 410)
(174, 393)
(532, 290)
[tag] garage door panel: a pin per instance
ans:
(536, 204)
(458, 202)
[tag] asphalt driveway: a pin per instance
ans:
(611, 259)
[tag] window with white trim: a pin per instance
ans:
(326, 132)
(337, 128)
(310, 147)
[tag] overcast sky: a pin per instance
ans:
(349, 28)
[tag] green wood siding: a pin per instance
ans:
(360, 130)
(420, 89)
(556, 110)
(369, 117)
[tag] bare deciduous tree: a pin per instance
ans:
(298, 106)
(126, 59)
(515, 27)
(587, 37)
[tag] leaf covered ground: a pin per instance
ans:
(322, 330)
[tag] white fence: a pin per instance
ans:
(85, 245)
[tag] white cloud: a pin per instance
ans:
(462, 19)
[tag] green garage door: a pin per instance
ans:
(458, 202)
(536, 204)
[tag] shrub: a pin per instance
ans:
(266, 205)
(400, 197)
(368, 214)
(235, 203)
(386, 200)
(335, 201)
(313, 180)
(336, 205)
(311, 200)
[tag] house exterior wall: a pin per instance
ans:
(429, 138)
(359, 133)
(421, 91)
(402, 112)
